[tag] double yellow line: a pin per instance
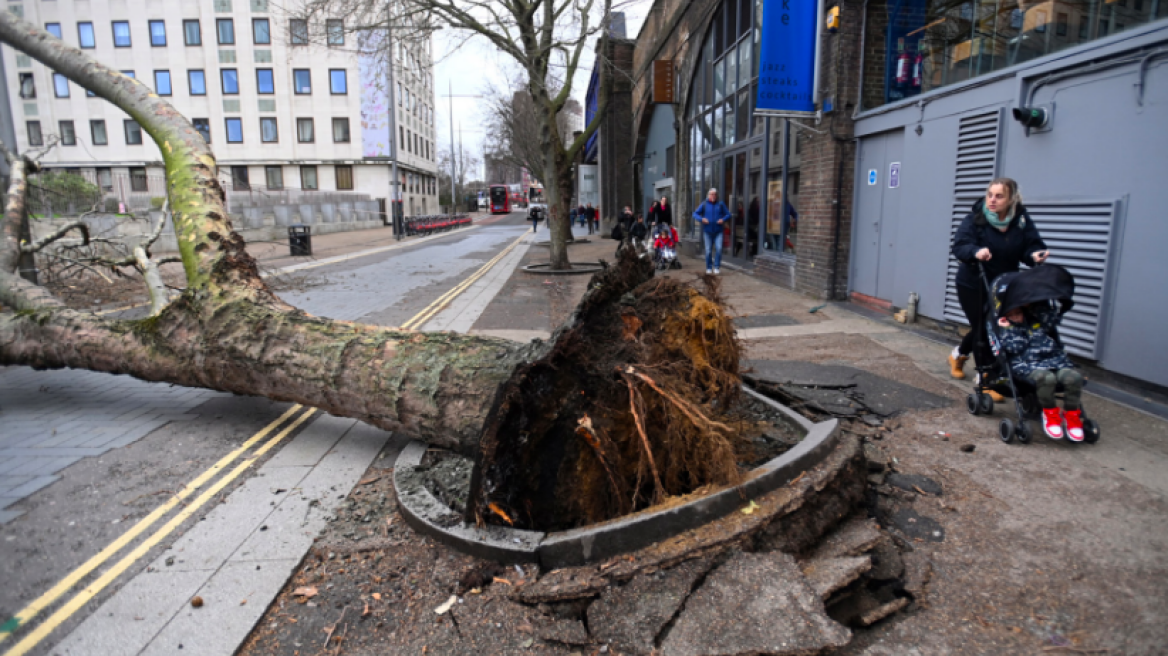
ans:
(444, 300)
(93, 589)
(90, 591)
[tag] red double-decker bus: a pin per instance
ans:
(500, 199)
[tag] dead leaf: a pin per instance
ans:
(306, 592)
(503, 581)
(370, 479)
(445, 608)
(377, 596)
(243, 603)
(365, 613)
(750, 508)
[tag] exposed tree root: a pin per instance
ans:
(626, 410)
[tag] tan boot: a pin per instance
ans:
(956, 364)
(998, 398)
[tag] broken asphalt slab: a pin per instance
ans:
(839, 390)
(755, 603)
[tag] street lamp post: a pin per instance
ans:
(394, 181)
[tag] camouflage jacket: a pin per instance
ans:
(1031, 347)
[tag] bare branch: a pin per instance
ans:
(39, 244)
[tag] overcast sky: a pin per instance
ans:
(476, 67)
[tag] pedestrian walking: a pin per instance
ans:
(712, 214)
(589, 214)
(638, 232)
(626, 220)
(571, 216)
(1000, 234)
(582, 214)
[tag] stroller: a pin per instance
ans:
(1047, 283)
(665, 241)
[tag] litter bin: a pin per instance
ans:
(300, 239)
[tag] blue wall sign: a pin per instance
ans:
(871, 177)
(894, 175)
(787, 57)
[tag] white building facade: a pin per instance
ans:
(290, 109)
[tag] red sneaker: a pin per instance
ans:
(1052, 423)
(1074, 424)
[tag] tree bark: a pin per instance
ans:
(228, 331)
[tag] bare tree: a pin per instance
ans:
(546, 38)
(460, 162)
(513, 131)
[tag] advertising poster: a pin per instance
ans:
(786, 64)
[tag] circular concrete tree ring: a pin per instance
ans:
(426, 514)
(579, 268)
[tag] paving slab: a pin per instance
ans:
(826, 575)
(755, 603)
(631, 616)
(844, 390)
(852, 538)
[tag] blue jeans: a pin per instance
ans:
(714, 251)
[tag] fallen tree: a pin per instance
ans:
(623, 408)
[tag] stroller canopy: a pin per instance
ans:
(1047, 282)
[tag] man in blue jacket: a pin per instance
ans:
(713, 215)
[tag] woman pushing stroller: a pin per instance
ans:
(999, 235)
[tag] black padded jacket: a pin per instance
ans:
(1017, 245)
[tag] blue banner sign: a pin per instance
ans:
(787, 62)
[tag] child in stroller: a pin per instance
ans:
(1030, 361)
(665, 246)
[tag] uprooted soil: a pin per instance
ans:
(631, 406)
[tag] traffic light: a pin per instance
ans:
(1032, 117)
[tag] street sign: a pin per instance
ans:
(894, 175)
(871, 177)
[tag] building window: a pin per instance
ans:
(85, 35)
(301, 81)
(344, 177)
(129, 74)
(27, 86)
(304, 131)
(121, 34)
(335, 31)
(308, 177)
(60, 85)
(68, 134)
(192, 35)
(298, 30)
(138, 179)
(105, 179)
(198, 82)
(203, 126)
(234, 130)
(268, 131)
(133, 133)
(274, 176)
(54, 29)
(340, 130)
(157, 33)
(265, 85)
(261, 31)
(35, 137)
(338, 81)
(239, 178)
(162, 82)
(225, 31)
(230, 78)
(97, 133)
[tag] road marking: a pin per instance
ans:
(444, 300)
(67, 583)
(372, 251)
